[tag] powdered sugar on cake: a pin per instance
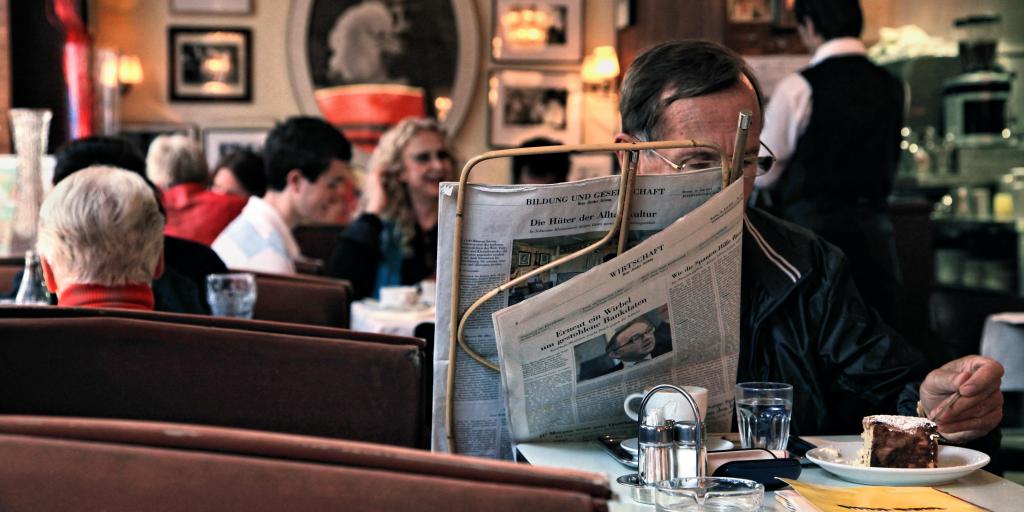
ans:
(907, 423)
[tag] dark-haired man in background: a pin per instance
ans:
(835, 129)
(540, 169)
(307, 167)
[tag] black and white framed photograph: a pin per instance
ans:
(209, 64)
(543, 258)
(219, 7)
(525, 259)
(526, 104)
(537, 31)
(220, 142)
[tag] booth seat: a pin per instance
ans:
(114, 465)
(213, 371)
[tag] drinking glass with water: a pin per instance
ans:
(231, 294)
(763, 412)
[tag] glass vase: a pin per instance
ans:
(30, 129)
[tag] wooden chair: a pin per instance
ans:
(212, 371)
(88, 464)
(9, 267)
(303, 299)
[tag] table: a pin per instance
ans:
(368, 316)
(981, 487)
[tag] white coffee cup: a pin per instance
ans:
(670, 401)
(399, 297)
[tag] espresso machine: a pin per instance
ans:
(974, 102)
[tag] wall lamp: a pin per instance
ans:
(600, 69)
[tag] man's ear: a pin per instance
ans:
(159, 270)
(51, 282)
(620, 138)
(293, 179)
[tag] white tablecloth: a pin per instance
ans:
(1003, 340)
(369, 316)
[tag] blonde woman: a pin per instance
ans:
(394, 241)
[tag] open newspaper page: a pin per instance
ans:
(665, 311)
(509, 230)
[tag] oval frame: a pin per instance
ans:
(466, 64)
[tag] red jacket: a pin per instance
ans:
(197, 214)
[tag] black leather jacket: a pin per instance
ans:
(803, 322)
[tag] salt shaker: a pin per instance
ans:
(691, 455)
(657, 455)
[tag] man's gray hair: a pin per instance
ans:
(176, 159)
(685, 69)
(102, 225)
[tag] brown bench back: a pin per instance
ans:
(87, 464)
(120, 364)
(303, 299)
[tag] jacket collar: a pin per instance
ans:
(132, 296)
(777, 257)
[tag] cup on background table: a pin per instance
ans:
(232, 295)
(675, 405)
(763, 413)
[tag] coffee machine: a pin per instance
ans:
(974, 102)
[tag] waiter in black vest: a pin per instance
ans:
(835, 130)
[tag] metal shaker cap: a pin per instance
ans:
(655, 434)
(685, 432)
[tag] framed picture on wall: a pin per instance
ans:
(219, 142)
(211, 6)
(524, 258)
(543, 258)
(537, 31)
(749, 11)
(209, 64)
(526, 104)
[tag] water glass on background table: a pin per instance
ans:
(231, 294)
(763, 412)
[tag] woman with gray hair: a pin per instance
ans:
(86, 224)
(394, 242)
(178, 167)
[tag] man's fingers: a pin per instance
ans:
(970, 407)
(972, 428)
(987, 375)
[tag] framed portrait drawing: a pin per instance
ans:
(219, 142)
(366, 64)
(524, 258)
(537, 31)
(219, 7)
(543, 258)
(526, 104)
(209, 64)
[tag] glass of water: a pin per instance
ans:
(231, 294)
(763, 412)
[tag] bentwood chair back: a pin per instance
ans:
(88, 464)
(193, 369)
(303, 299)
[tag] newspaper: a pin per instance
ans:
(509, 230)
(665, 311)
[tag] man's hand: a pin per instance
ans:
(979, 407)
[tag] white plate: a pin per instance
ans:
(714, 445)
(954, 462)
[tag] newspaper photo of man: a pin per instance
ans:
(642, 338)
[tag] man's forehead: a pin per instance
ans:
(714, 112)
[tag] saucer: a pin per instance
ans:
(714, 445)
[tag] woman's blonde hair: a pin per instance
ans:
(387, 158)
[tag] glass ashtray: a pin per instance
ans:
(716, 494)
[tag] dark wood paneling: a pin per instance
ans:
(655, 21)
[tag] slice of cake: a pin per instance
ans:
(899, 442)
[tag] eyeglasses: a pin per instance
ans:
(636, 338)
(424, 158)
(763, 163)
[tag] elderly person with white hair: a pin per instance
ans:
(101, 240)
(177, 166)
